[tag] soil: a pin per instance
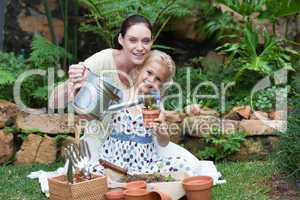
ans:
(149, 178)
(283, 189)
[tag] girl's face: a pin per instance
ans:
(151, 77)
(136, 43)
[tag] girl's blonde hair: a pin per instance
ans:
(164, 59)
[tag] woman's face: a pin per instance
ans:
(136, 43)
(151, 77)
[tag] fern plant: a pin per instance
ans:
(34, 90)
(106, 16)
(45, 54)
(10, 67)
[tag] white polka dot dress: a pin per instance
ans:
(131, 146)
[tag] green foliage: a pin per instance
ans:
(10, 67)
(244, 7)
(59, 139)
(248, 55)
(45, 54)
(275, 8)
(150, 102)
(185, 76)
(107, 15)
(288, 155)
(265, 100)
(34, 89)
(220, 145)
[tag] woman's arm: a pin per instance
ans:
(61, 95)
(65, 92)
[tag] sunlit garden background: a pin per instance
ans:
(233, 44)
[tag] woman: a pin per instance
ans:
(132, 47)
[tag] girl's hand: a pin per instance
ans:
(161, 133)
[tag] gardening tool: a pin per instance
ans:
(80, 157)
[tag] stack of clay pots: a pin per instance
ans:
(135, 190)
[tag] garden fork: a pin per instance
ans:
(80, 157)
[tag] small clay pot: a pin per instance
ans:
(136, 194)
(136, 185)
(198, 187)
(115, 195)
(149, 115)
(156, 195)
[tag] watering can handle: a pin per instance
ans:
(113, 96)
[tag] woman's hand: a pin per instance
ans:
(77, 74)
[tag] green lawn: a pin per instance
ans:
(245, 180)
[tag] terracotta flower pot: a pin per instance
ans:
(136, 185)
(198, 187)
(115, 195)
(156, 195)
(136, 194)
(149, 115)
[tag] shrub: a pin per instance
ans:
(288, 155)
(34, 89)
(220, 145)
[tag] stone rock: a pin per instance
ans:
(232, 115)
(277, 115)
(257, 115)
(8, 110)
(45, 123)
(255, 127)
(52, 4)
(39, 24)
(187, 28)
(47, 151)
(244, 111)
(239, 113)
(200, 125)
(29, 148)
(192, 110)
(6, 146)
(37, 149)
(215, 57)
(209, 111)
(174, 116)
(251, 148)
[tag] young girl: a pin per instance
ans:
(131, 145)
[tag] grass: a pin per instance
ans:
(245, 180)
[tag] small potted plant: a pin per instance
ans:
(151, 109)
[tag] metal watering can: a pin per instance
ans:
(98, 95)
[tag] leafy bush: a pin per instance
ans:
(288, 156)
(248, 55)
(184, 77)
(221, 145)
(34, 89)
(106, 16)
(10, 67)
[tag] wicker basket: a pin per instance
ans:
(93, 189)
